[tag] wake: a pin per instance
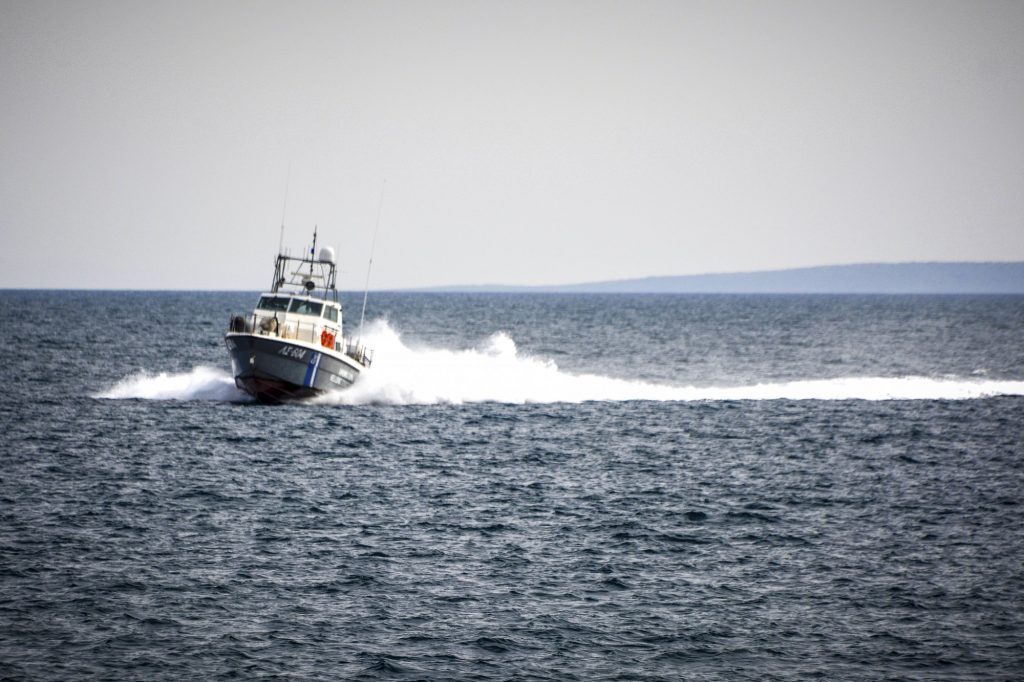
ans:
(202, 383)
(496, 371)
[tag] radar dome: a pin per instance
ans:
(327, 254)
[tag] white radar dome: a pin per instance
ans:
(327, 254)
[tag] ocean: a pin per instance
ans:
(523, 486)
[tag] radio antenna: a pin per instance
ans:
(284, 209)
(373, 246)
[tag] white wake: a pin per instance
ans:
(202, 383)
(496, 371)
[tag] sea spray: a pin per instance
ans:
(200, 383)
(496, 371)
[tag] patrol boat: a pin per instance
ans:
(292, 346)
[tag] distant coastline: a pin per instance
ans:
(864, 278)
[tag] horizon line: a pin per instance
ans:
(559, 288)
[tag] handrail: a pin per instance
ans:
(295, 330)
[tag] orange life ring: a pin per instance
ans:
(326, 339)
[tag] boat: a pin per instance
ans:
(292, 347)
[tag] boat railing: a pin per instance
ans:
(297, 330)
(270, 325)
(356, 351)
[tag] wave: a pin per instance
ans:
(495, 371)
(201, 383)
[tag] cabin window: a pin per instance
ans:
(300, 307)
(273, 303)
(331, 313)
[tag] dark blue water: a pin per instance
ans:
(525, 487)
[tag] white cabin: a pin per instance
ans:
(306, 319)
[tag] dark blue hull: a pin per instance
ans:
(275, 370)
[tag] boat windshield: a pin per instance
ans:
(331, 313)
(273, 303)
(300, 307)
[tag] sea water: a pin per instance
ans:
(521, 487)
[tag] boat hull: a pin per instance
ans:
(275, 370)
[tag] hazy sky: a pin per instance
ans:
(148, 144)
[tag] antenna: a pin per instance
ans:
(373, 245)
(287, 182)
(312, 254)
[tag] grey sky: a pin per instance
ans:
(522, 142)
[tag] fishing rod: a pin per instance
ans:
(373, 246)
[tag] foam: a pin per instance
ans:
(495, 371)
(201, 383)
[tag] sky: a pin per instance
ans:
(158, 145)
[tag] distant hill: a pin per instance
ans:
(867, 278)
